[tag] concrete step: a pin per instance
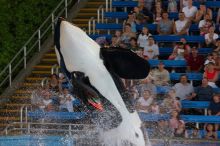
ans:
(5, 119)
(25, 92)
(86, 15)
(41, 72)
(88, 10)
(80, 20)
(49, 60)
(34, 79)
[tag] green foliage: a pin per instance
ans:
(19, 19)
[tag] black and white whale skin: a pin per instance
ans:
(78, 53)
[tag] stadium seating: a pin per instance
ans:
(195, 104)
(168, 63)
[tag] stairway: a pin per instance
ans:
(10, 112)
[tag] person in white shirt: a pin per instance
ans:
(190, 10)
(211, 37)
(151, 50)
(181, 26)
(143, 37)
(144, 102)
(66, 101)
(183, 88)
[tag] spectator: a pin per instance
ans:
(214, 108)
(127, 34)
(133, 45)
(194, 134)
(144, 102)
(131, 20)
(185, 46)
(205, 24)
(174, 120)
(217, 46)
(151, 50)
(114, 42)
(216, 58)
(140, 18)
(180, 131)
(146, 84)
(218, 17)
(143, 37)
(155, 108)
(181, 26)
(163, 129)
(190, 10)
(173, 56)
(47, 103)
(160, 76)
(183, 85)
(63, 83)
(183, 3)
(180, 50)
(194, 61)
(66, 101)
(211, 37)
(157, 11)
(200, 14)
(172, 6)
(165, 25)
(210, 133)
(211, 74)
(203, 92)
(209, 59)
(54, 83)
(148, 4)
(118, 37)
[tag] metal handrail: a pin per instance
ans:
(55, 69)
(102, 14)
(91, 25)
(7, 72)
(44, 81)
(108, 5)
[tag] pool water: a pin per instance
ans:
(36, 141)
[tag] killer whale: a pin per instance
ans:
(80, 56)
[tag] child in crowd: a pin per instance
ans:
(66, 101)
(209, 59)
(180, 131)
(155, 108)
(144, 102)
(174, 120)
(210, 132)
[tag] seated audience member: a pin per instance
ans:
(144, 102)
(216, 58)
(218, 17)
(202, 11)
(180, 131)
(211, 134)
(146, 10)
(217, 46)
(66, 101)
(205, 24)
(127, 34)
(181, 26)
(203, 92)
(176, 100)
(157, 11)
(183, 3)
(173, 55)
(146, 84)
(183, 85)
(194, 134)
(180, 50)
(63, 83)
(165, 25)
(174, 120)
(54, 83)
(214, 108)
(118, 37)
(140, 18)
(209, 59)
(194, 61)
(151, 50)
(172, 6)
(114, 42)
(190, 10)
(155, 109)
(143, 37)
(133, 45)
(160, 75)
(211, 37)
(47, 103)
(163, 129)
(211, 74)
(131, 20)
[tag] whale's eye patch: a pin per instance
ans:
(136, 135)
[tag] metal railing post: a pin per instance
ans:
(21, 116)
(25, 57)
(110, 5)
(39, 40)
(106, 5)
(93, 26)
(102, 15)
(28, 128)
(52, 25)
(65, 8)
(70, 133)
(26, 114)
(9, 68)
(89, 25)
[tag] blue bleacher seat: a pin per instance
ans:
(122, 15)
(212, 4)
(191, 76)
(77, 102)
(200, 118)
(95, 36)
(174, 38)
(109, 26)
(153, 117)
(168, 63)
(124, 3)
(58, 115)
(168, 51)
(195, 104)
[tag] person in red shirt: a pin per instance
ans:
(211, 74)
(194, 61)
